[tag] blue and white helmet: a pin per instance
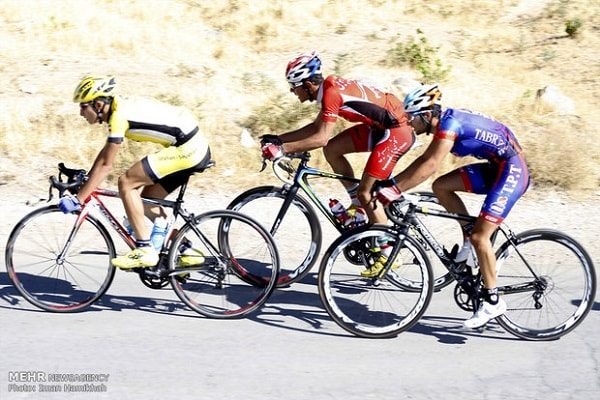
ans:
(422, 99)
(302, 67)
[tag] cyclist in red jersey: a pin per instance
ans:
(382, 128)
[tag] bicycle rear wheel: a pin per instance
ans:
(551, 294)
(447, 232)
(51, 272)
(236, 268)
(299, 231)
(369, 307)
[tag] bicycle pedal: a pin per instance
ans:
(128, 270)
(182, 278)
(154, 272)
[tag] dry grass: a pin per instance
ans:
(225, 61)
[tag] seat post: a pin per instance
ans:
(182, 189)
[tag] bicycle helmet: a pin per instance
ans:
(92, 87)
(303, 67)
(422, 99)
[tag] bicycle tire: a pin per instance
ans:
(59, 285)
(234, 247)
(391, 309)
(301, 240)
(566, 281)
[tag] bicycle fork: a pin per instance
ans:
(396, 246)
(291, 193)
(60, 258)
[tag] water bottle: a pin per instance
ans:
(128, 227)
(338, 210)
(159, 232)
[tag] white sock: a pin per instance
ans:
(464, 251)
(353, 193)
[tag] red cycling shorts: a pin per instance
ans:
(386, 146)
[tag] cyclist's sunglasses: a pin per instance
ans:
(84, 105)
(294, 85)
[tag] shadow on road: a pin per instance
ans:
(14, 300)
(307, 309)
(289, 309)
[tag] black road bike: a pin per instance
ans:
(546, 277)
(293, 221)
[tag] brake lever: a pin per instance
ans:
(50, 194)
(35, 202)
(264, 165)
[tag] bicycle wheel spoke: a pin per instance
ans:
(237, 279)
(557, 300)
(373, 307)
(70, 283)
(298, 231)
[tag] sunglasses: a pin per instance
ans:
(84, 105)
(294, 86)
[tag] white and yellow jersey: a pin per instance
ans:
(148, 120)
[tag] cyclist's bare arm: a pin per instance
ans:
(310, 137)
(102, 166)
(424, 166)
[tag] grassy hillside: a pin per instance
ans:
(225, 61)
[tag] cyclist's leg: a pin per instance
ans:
(155, 191)
(445, 188)
(375, 215)
(511, 181)
(130, 187)
(152, 171)
(189, 254)
(387, 146)
(344, 143)
(474, 178)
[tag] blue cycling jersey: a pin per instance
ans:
(504, 178)
(477, 135)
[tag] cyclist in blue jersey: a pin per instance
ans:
(503, 177)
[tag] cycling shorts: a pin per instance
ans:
(386, 146)
(504, 183)
(171, 166)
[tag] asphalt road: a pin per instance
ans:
(140, 343)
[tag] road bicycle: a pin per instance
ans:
(294, 223)
(546, 278)
(62, 262)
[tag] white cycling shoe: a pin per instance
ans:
(485, 313)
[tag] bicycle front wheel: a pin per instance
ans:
(57, 264)
(233, 266)
(297, 231)
(375, 307)
(548, 282)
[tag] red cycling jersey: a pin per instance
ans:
(384, 129)
(357, 102)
